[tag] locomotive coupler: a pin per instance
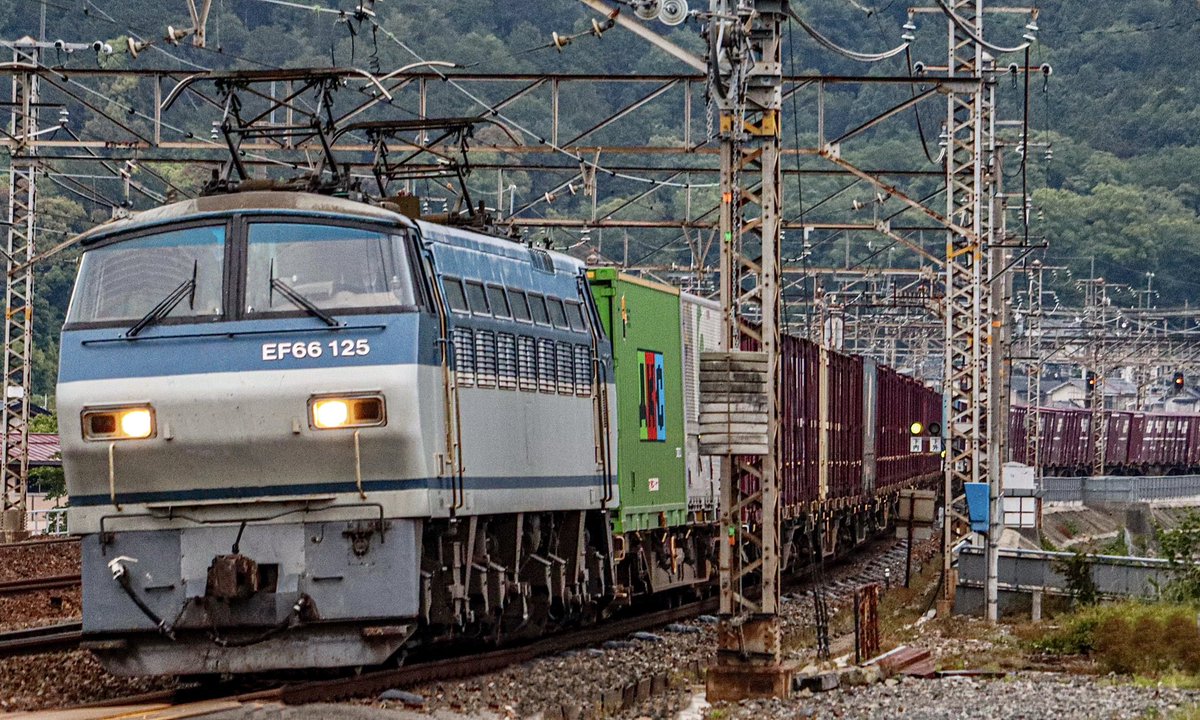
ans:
(360, 535)
(232, 577)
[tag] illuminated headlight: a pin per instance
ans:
(119, 423)
(334, 412)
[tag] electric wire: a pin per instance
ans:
(490, 109)
(965, 28)
(845, 52)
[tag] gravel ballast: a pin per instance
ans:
(1021, 696)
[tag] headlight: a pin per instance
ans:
(332, 412)
(119, 423)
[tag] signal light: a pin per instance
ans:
(934, 428)
(1091, 379)
(1178, 381)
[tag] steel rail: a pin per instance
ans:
(50, 582)
(48, 638)
(37, 543)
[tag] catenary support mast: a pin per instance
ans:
(18, 300)
(746, 80)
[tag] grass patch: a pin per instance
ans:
(1155, 640)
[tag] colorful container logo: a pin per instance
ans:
(652, 402)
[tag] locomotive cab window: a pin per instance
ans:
(172, 276)
(575, 317)
(498, 301)
(332, 267)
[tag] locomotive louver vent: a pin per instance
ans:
(506, 361)
(583, 370)
(566, 370)
(485, 359)
(527, 363)
(546, 365)
(464, 357)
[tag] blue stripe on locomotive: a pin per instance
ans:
(100, 353)
(470, 482)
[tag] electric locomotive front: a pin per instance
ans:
(251, 399)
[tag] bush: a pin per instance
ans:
(1130, 638)
(1077, 571)
(1181, 548)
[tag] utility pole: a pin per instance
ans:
(745, 79)
(1096, 302)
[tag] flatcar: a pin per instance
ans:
(303, 431)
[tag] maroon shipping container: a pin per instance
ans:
(1192, 460)
(901, 401)
(799, 431)
(845, 378)
(1018, 434)
(1116, 445)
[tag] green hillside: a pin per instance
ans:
(1119, 113)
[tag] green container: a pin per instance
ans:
(642, 320)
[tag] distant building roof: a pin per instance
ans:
(44, 450)
(1112, 386)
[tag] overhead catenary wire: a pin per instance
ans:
(845, 52)
(965, 28)
(490, 109)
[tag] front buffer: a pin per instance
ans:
(248, 598)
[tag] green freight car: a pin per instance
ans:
(657, 335)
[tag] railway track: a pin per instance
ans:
(48, 638)
(38, 543)
(50, 582)
(375, 682)
(456, 667)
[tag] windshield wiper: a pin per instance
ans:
(185, 289)
(299, 300)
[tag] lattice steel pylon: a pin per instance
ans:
(18, 300)
(746, 83)
(969, 136)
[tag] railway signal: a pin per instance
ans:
(1178, 382)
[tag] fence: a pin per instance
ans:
(1036, 572)
(48, 522)
(1121, 490)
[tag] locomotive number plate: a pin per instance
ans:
(314, 349)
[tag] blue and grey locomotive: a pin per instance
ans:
(271, 462)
